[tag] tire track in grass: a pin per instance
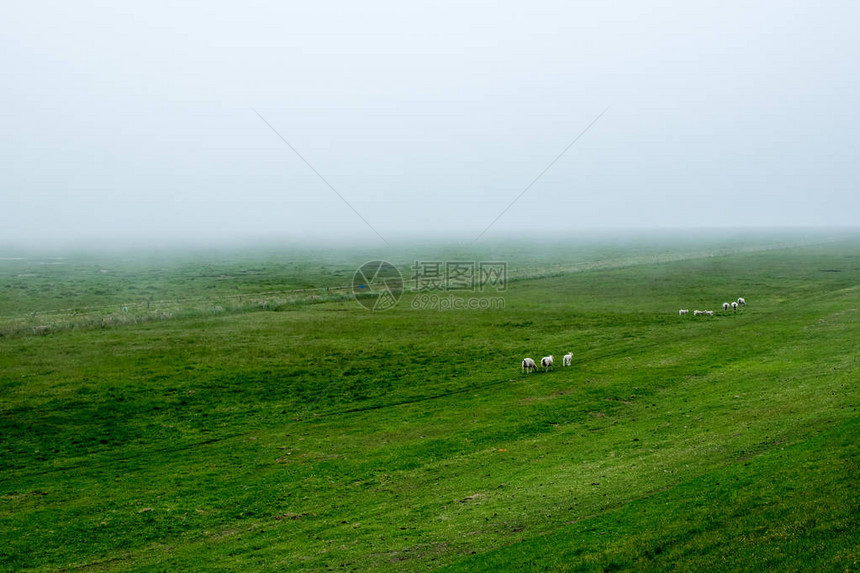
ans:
(210, 441)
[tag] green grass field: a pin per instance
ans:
(238, 417)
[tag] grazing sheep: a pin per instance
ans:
(567, 359)
(734, 306)
(741, 301)
(546, 363)
(709, 312)
(725, 306)
(529, 365)
(683, 311)
(698, 312)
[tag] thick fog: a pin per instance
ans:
(364, 122)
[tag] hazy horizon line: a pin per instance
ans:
(408, 240)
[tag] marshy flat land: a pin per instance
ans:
(241, 411)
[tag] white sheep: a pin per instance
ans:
(698, 312)
(529, 365)
(683, 311)
(567, 359)
(725, 306)
(546, 363)
(734, 306)
(741, 301)
(709, 312)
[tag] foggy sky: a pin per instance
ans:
(136, 123)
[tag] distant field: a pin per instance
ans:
(59, 291)
(236, 416)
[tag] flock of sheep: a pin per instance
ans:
(726, 306)
(529, 364)
(545, 362)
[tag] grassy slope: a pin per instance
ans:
(791, 509)
(327, 436)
